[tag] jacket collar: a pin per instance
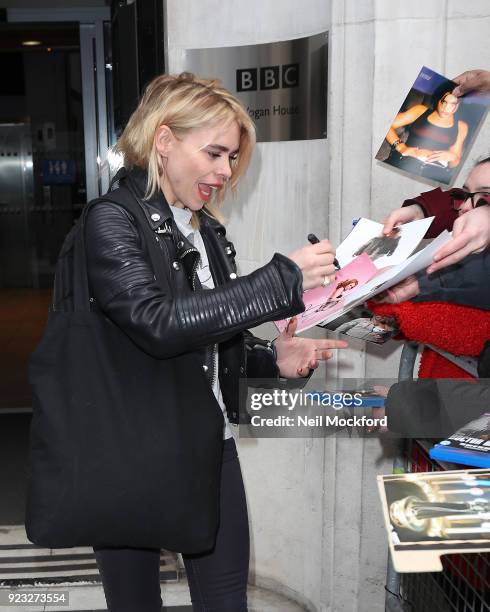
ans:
(208, 221)
(156, 208)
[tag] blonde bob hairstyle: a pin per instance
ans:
(184, 102)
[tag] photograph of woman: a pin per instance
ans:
(434, 138)
(335, 299)
(433, 129)
(376, 329)
(340, 290)
(185, 146)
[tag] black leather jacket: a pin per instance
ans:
(166, 321)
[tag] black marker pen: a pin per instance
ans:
(314, 240)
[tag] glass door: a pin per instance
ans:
(54, 134)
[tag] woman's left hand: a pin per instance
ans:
(296, 356)
(448, 156)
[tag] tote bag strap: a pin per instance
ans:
(131, 204)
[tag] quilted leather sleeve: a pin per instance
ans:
(124, 286)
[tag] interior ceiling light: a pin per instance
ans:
(31, 43)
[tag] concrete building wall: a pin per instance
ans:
(316, 522)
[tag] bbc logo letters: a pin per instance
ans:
(267, 77)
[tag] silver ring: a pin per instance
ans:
(326, 281)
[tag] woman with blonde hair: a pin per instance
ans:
(185, 147)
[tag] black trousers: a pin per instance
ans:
(217, 579)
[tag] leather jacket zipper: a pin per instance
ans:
(193, 276)
(163, 246)
(213, 357)
(194, 267)
(167, 230)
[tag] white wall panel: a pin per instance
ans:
(355, 13)
(467, 10)
(393, 10)
(215, 23)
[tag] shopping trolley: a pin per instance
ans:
(464, 583)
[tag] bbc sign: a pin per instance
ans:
(267, 77)
(282, 85)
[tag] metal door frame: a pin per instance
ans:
(91, 22)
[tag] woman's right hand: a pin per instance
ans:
(471, 234)
(315, 262)
(406, 214)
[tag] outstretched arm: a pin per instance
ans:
(162, 324)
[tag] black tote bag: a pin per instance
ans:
(125, 450)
